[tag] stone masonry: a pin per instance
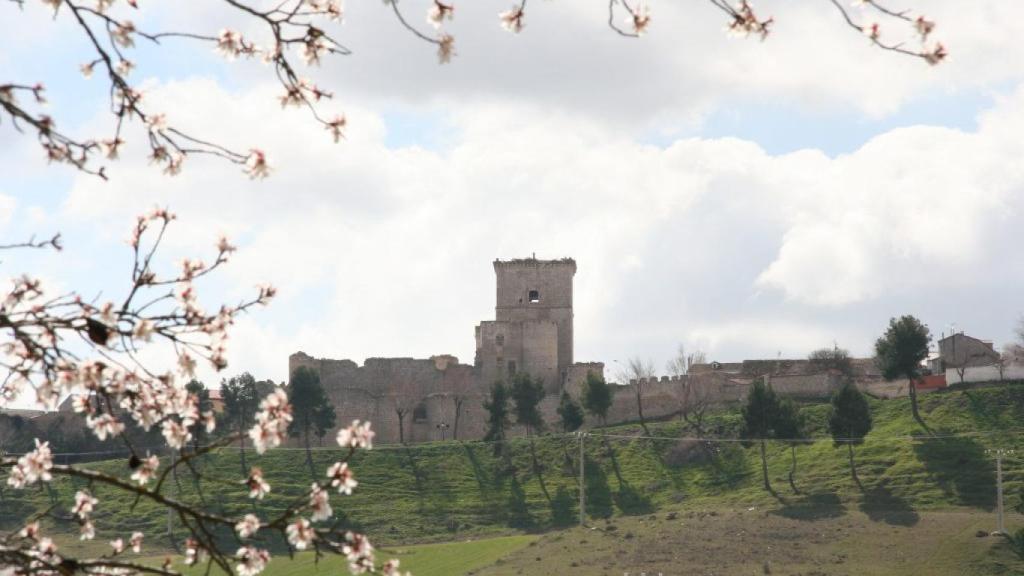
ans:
(532, 331)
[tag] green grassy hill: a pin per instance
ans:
(455, 490)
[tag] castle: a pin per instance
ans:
(439, 397)
(416, 400)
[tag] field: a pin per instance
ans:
(775, 541)
(923, 497)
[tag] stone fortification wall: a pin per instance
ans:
(426, 387)
(371, 392)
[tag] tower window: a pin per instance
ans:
(499, 339)
(511, 367)
(534, 296)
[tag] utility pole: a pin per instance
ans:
(583, 491)
(999, 452)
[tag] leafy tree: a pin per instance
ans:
(198, 429)
(833, 360)
(760, 416)
(597, 396)
(241, 401)
(570, 412)
(849, 420)
(324, 419)
(790, 426)
(527, 393)
(498, 421)
(899, 353)
(312, 411)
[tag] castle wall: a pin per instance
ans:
(374, 390)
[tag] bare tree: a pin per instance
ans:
(407, 393)
(64, 344)
(681, 363)
(288, 30)
(1015, 350)
(696, 399)
(460, 387)
(638, 371)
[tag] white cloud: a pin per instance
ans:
(384, 251)
(8, 204)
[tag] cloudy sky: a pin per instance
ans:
(746, 198)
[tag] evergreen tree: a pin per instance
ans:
(324, 419)
(241, 401)
(570, 412)
(790, 426)
(498, 422)
(899, 353)
(849, 420)
(760, 416)
(312, 411)
(527, 393)
(597, 396)
(198, 429)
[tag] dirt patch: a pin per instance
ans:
(836, 542)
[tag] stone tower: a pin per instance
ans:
(532, 329)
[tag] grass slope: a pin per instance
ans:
(443, 559)
(445, 491)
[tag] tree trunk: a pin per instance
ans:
(640, 407)
(792, 469)
(913, 402)
(458, 412)
(853, 467)
(401, 428)
(241, 454)
(764, 467)
(309, 454)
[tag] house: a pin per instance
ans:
(962, 358)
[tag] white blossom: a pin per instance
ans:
(271, 422)
(256, 165)
(32, 467)
(512, 19)
(359, 552)
(438, 12)
(122, 34)
(229, 43)
(300, 534)
(390, 568)
(84, 503)
(251, 560)
(247, 526)
(258, 488)
(342, 478)
(357, 435)
(176, 433)
(86, 530)
(136, 542)
(319, 503)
